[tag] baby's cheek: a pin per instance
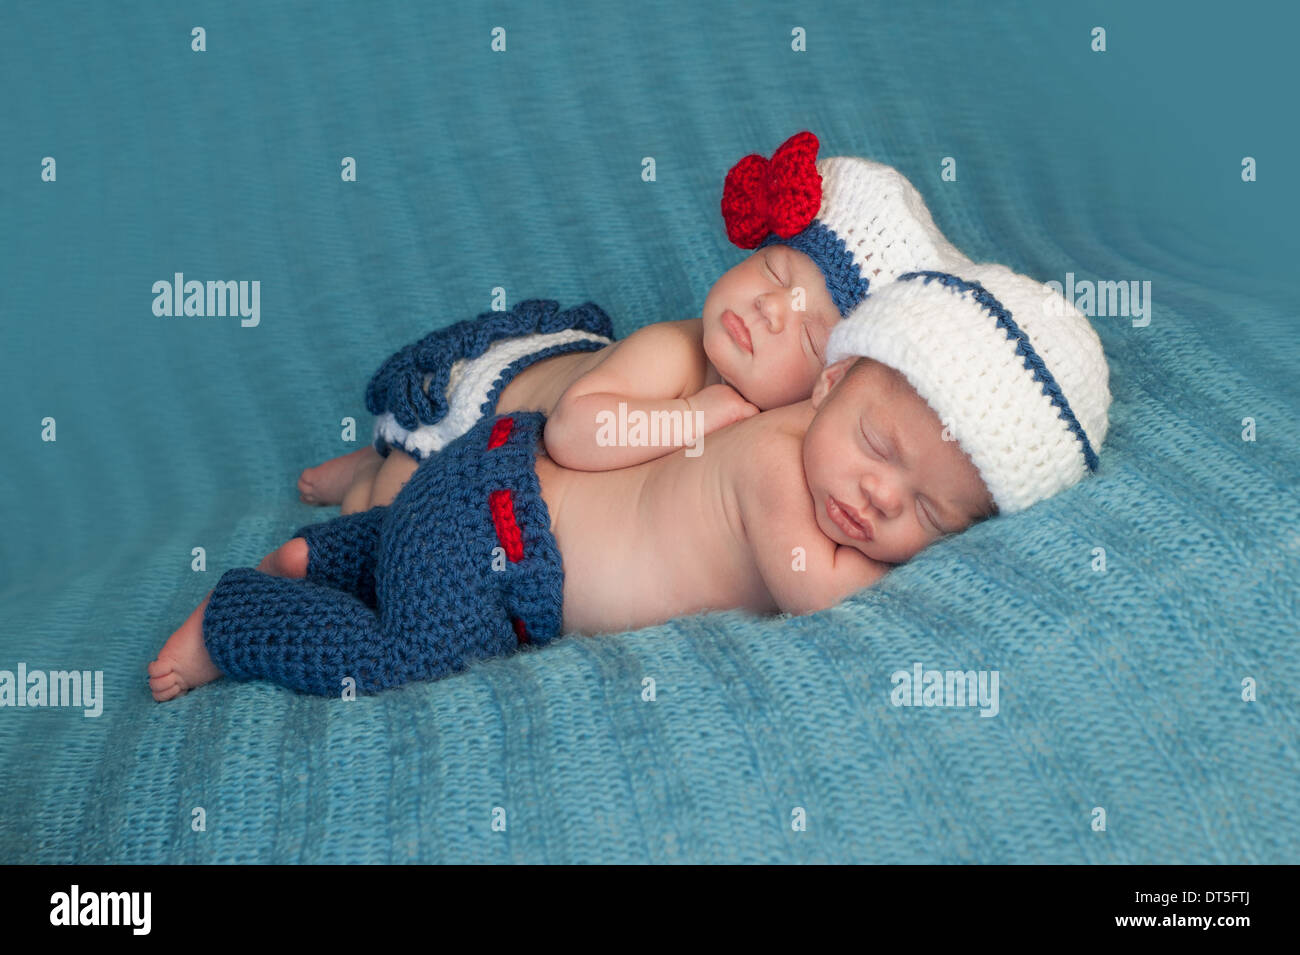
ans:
(911, 543)
(804, 383)
(779, 390)
(801, 378)
(715, 353)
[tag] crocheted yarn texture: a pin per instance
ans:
(462, 565)
(862, 222)
(435, 389)
(1121, 681)
(1017, 375)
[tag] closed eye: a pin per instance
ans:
(870, 445)
(812, 342)
(767, 261)
(937, 525)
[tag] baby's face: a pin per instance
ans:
(881, 476)
(755, 337)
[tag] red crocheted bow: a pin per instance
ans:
(780, 195)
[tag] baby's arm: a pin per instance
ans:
(803, 569)
(654, 374)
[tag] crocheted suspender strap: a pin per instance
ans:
(501, 504)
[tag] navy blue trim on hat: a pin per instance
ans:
(1023, 347)
(845, 281)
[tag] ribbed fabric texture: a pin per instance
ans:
(873, 226)
(1120, 689)
(462, 565)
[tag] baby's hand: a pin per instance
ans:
(722, 405)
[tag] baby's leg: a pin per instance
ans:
(183, 663)
(341, 553)
(357, 497)
(298, 634)
(393, 475)
(303, 635)
(288, 560)
(326, 484)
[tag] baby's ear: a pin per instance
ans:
(829, 378)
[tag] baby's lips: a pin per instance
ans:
(737, 330)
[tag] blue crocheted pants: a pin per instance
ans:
(462, 565)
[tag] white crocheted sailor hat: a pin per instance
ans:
(862, 222)
(1014, 371)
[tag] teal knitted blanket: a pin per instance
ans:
(1141, 626)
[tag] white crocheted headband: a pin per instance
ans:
(862, 222)
(1015, 372)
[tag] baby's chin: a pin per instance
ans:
(738, 379)
(837, 536)
(755, 384)
(718, 355)
(872, 550)
(757, 389)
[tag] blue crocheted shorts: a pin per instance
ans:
(432, 391)
(462, 565)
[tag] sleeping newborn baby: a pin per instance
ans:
(826, 232)
(947, 398)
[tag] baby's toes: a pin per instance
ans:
(166, 685)
(170, 691)
(307, 488)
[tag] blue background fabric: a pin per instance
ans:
(1119, 689)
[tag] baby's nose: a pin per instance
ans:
(774, 315)
(879, 495)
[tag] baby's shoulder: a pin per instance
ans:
(667, 352)
(769, 458)
(684, 333)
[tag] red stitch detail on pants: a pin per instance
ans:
(500, 431)
(521, 632)
(502, 506)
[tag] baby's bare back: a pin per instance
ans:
(539, 386)
(663, 539)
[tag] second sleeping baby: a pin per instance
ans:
(826, 232)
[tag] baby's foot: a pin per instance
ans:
(183, 662)
(325, 484)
